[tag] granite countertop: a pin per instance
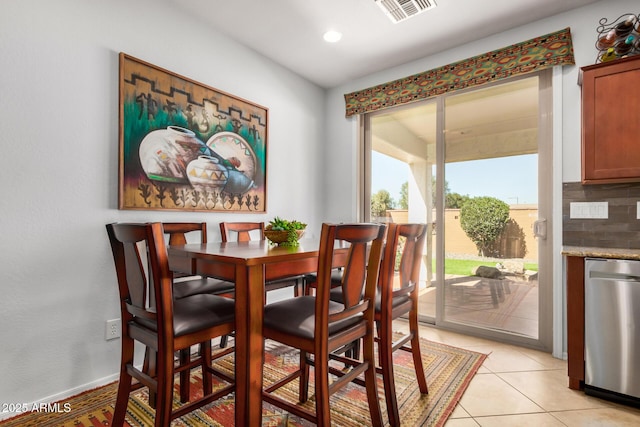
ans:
(601, 252)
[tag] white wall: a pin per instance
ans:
(59, 139)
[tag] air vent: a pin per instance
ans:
(399, 10)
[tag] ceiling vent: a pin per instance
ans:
(399, 10)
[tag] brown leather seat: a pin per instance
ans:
(153, 317)
(319, 327)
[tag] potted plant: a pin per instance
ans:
(284, 232)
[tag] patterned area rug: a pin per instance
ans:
(448, 369)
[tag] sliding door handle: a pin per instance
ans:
(540, 229)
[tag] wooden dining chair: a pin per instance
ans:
(152, 316)
(398, 296)
(318, 327)
(247, 231)
(184, 285)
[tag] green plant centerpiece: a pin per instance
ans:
(283, 232)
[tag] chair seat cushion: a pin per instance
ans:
(397, 301)
(296, 316)
(336, 295)
(336, 278)
(201, 285)
(197, 312)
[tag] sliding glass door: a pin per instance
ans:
(468, 164)
(402, 159)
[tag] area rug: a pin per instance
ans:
(448, 370)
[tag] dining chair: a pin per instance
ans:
(184, 285)
(318, 327)
(397, 295)
(398, 289)
(152, 316)
(247, 231)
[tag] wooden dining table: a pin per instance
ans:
(249, 265)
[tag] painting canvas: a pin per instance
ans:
(187, 146)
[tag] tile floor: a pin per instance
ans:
(522, 387)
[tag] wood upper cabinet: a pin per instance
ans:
(611, 121)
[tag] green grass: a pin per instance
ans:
(463, 267)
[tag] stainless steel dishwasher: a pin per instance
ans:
(612, 329)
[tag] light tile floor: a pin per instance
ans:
(518, 386)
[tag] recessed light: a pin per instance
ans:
(332, 36)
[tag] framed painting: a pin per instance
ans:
(186, 146)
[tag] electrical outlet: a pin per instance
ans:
(589, 210)
(113, 329)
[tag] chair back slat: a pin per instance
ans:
(360, 271)
(407, 241)
(353, 279)
(178, 231)
(241, 231)
(137, 283)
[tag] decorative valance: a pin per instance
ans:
(525, 57)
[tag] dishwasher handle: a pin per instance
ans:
(594, 274)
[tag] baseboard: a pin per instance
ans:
(28, 407)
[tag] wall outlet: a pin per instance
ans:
(113, 329)
(589, 210)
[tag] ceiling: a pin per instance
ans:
(488, 122)
(290, 31)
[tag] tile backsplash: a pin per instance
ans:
(620, 230)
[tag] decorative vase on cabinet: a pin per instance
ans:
(610, 122)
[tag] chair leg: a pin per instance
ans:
(354, 351)
(149, 367)
(371, 380)
(415, 351)
(165, 388)
(298, 288)
(124, 385)
(323, 408)
(385, 355)
(185, 357)
(207, 378)
(304, 378)
(223, 341)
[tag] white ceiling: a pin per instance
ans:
(290, 31)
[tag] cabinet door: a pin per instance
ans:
(611, 122)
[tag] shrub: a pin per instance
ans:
(483, 219)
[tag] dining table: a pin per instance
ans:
(249, 265)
